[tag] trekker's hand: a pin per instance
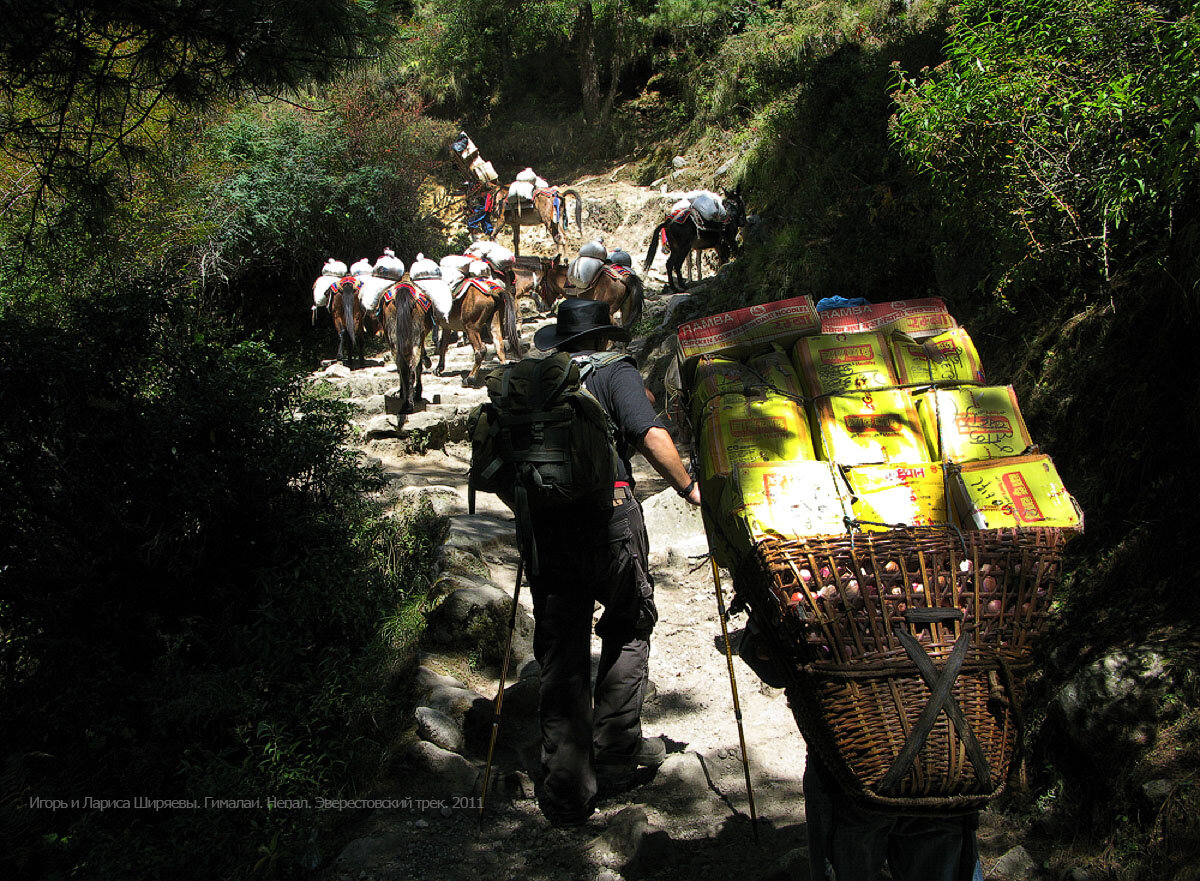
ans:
(694, 495)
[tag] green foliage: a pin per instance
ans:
(196, 597)
(89, 90)
(1057, 126)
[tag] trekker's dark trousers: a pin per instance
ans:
(588, 555)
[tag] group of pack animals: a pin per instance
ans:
(406, 316)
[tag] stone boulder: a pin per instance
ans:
(476, 619)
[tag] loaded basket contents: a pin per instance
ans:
(893, 530)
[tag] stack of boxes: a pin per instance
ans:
(865, 418)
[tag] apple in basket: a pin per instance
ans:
(805, 576)
(994, 607)
(989, 583)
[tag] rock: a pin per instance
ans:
(479, 532)
(1016, 865)
(448, 582)
(380, 426)
(675, 524)
(478, 618)
(443, 499)
(629, 843)
(456, 702)
(1157, 791)
(792, 866)
(1109, 710)
(452, 775)
(427, 679)
(682, 777)
(424, 430)
(725, 167)
(336, 370)
(679, 162)
(439, 729)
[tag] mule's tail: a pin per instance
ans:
(508, 322)
(578, 210)
(634, 300)
(349, 298)
(653, 245)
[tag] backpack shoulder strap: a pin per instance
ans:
(596, 360)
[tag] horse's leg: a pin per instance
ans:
(516, 227)
(478, 345)
(442, 345)
(498, 329)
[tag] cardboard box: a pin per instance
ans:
(917, 318)
(1021, 491)
(715, 376)
(485, 173)
(785, 500)
(947, 357)
(870, 428)
(742, 331)
(913, 494)
(777, 372)
(844, 362)
(973, 423)
(737, 429)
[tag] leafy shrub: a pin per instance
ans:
(196, 593)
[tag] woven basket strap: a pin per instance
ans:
(941, 695)
(953, 710)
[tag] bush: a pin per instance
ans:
(196, 596)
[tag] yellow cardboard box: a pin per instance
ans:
(752, 327)
(1021, 491)
(833, 363)
(946, 357)
(917, 318)
(913, 494)
(870, 428)
(973, 423)
(778, 374)
(716, 376)
(786, 500)
(737, 429)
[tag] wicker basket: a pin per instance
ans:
(904, 650)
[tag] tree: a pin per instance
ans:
(88, 88)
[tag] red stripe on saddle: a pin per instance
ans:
(419, 296)
(489, 286)
(618, 272)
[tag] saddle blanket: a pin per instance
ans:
(616, 271)
(486, 285)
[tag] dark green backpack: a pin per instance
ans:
(542, 441)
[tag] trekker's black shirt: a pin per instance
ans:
(620, 390)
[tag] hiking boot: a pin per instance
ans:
(613, 777)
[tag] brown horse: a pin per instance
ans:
(541, 210)
(482, 302)
(350, 319)
(685, 233)
(622, 291)
(408, 317)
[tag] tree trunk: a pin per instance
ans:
(589, 74)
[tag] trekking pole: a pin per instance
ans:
(512, 625)
(737, 706)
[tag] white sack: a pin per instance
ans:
(709, 207)
(423, 268)
(321, 289)
(389, 266)
(582, 271)
(520, 190)
(438, 292)
(453, 277)
(527, 176)
(335, 268)
(493, 252)
(621, 258)
(479, 269)
(361, 268)
(455, 263)
(594, 249)
(372, 287)
(540, 183)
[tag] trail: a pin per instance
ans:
(692, 819)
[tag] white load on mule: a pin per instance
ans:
(583, 269)
(427, 276)
(708, 205)
(454, 269)
(529, 176)
(331, 273)
(370, 289)
(520, 190)
(389, 266)
(494, 253)
(361, 268)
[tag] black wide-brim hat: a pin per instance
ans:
(578, 318)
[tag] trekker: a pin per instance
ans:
(597, 551)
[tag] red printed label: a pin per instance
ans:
(983, 426)
(887, 424)
(848, 355)
(763, 426)
(1025, 506)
